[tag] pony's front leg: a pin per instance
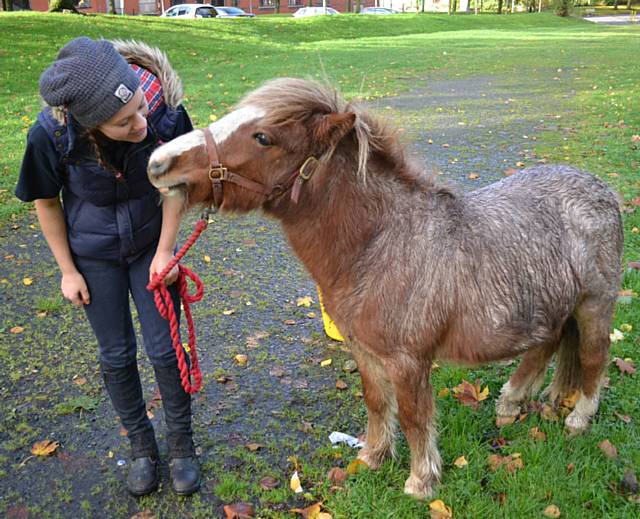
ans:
(381, 408)
(416, 412)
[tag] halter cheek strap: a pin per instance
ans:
(218, 174)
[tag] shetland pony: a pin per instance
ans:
(412, 271)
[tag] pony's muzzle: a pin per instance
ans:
(158, 165)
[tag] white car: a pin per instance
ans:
(313, 11)
(204, 11)
(378, 10)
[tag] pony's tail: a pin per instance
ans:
(568, 373)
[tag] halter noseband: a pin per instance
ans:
(218, 173)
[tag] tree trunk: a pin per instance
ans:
(499, 6)
(615, 5)
(112, 6)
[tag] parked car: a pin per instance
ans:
(232, 12)
(204, 11)
(313, 11)
(378, 10)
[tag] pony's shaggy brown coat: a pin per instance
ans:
(412, 271)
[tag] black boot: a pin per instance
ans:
(185, 471)
(143, 477)
(123, 386)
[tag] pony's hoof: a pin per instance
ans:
(506, 409)
(576, 423)
(501, 421)
(372, 461)
(418, 488)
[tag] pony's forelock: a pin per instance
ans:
(294, 100)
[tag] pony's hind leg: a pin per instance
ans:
(416, 410)
(381, 408)
(594, 320)
(525, 381)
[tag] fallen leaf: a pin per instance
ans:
(295, 484)
(207, 259)
(473, 176)
(510, 171)
(337, 476)
(570, 468)
(624, 417)
(239, 511)
(149, 414)
(269, 483)
(253, 447)
(520, 164)
(635, 138)
(438, 510)
(304, 301)
(609, 449)
(551, 511)
(510, 463)
(470, 394)
(80, 381)
(228, 312)
(241, 359)
(341, 384)
(629, 483)
(27, 281)
(634, 264)
(326, 362)
(626, 328)
(571, 399)
(548, 413)
(461, 462)
(289, 322)
(443, 392)
(311, 315)
(145, 514)
(17, 329)
(311, 512)
(537, 434)
(625, 366)
(356, 466)
(616, 335)
(123, 432)
(44, 448)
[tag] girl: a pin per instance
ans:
(109, 105)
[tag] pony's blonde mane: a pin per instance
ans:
(291, 100)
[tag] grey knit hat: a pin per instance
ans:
(91, 79)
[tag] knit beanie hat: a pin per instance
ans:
(91, 79)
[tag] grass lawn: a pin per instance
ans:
(367, 57)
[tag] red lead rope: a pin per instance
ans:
(164, 304)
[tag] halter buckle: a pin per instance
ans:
(218, 172)
(308, 168)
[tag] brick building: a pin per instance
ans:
(152, 7)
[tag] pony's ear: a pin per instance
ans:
(330, 129)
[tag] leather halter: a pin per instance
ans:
(218, 174)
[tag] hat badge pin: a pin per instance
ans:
(123, 93)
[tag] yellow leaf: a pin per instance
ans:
(228, 312)
(44, 448)
(443, 392)
(213, 117)
(81, 381)
(439, 510)
(27, 281)
(356, 466)
(241, 359)
(304, 301)
(324, 515)
(616, 336)
(325, 363)
(295, 484)
(17, 329)
(552, 511)
(461, 462)
(311, 512)
(626, 328)
(311, 315)
(207, 259)
(473, 176)
(110, 454)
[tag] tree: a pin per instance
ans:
(499, 6)
(563, 7)
(57, 6)
(7, 5)
(112, 6)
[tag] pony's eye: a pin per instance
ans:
(262, 139)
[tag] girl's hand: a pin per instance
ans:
(159, 262)
(74, 288)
